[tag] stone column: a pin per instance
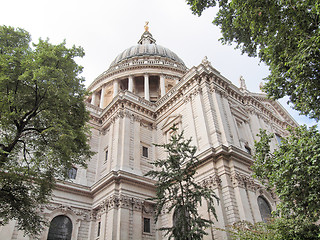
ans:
(146, 87)
(162, 86)
(93, 98)
(102, 97)
(115, 87)
(130, 83)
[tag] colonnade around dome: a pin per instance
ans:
(151, 87)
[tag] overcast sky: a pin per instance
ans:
(105, 28)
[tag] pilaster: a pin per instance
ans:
(190, 116)
(200, 120)
(243, 185)
(137, 146)
(110, 147)
(211, 116)
(217, 97)
(123, 224)
(255, 124)
(125, 143)
(228, 198)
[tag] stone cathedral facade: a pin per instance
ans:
(132, 105)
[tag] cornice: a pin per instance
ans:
(73, 188)
(81, 213)
(125, 201)
(119, 176)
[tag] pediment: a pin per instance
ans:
(239, 111)
(276, 109)
(170, 121)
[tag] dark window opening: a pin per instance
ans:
(106, 156)
(146, 225)
(264, 208)
(72, 174)
(60, 228)
(99, 227)
(144, 151)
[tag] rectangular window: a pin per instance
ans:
(145, 151)
(99, 227)
(146, 225)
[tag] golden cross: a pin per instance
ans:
(146, 28)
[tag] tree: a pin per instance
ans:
(43, 131)
(293, 170)
(177, 190)
(285, 35)
(276, 229)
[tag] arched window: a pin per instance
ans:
(60, 228)
(264, 207)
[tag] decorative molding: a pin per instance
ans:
(244, 181)
(212, 181)
(148, 208)
(122, 201)
(81, 213)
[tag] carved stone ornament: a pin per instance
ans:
(211, 182)
(82, 214)
(243, 181)
(121, 201)
(148, 208)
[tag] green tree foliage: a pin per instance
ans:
(43, 130)
(285, 35)
(178, 192)
(293, 170)
(276, 229)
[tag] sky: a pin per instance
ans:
(105, 28)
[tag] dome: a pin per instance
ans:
(146, 50)
(133, 67)
(146, 47)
